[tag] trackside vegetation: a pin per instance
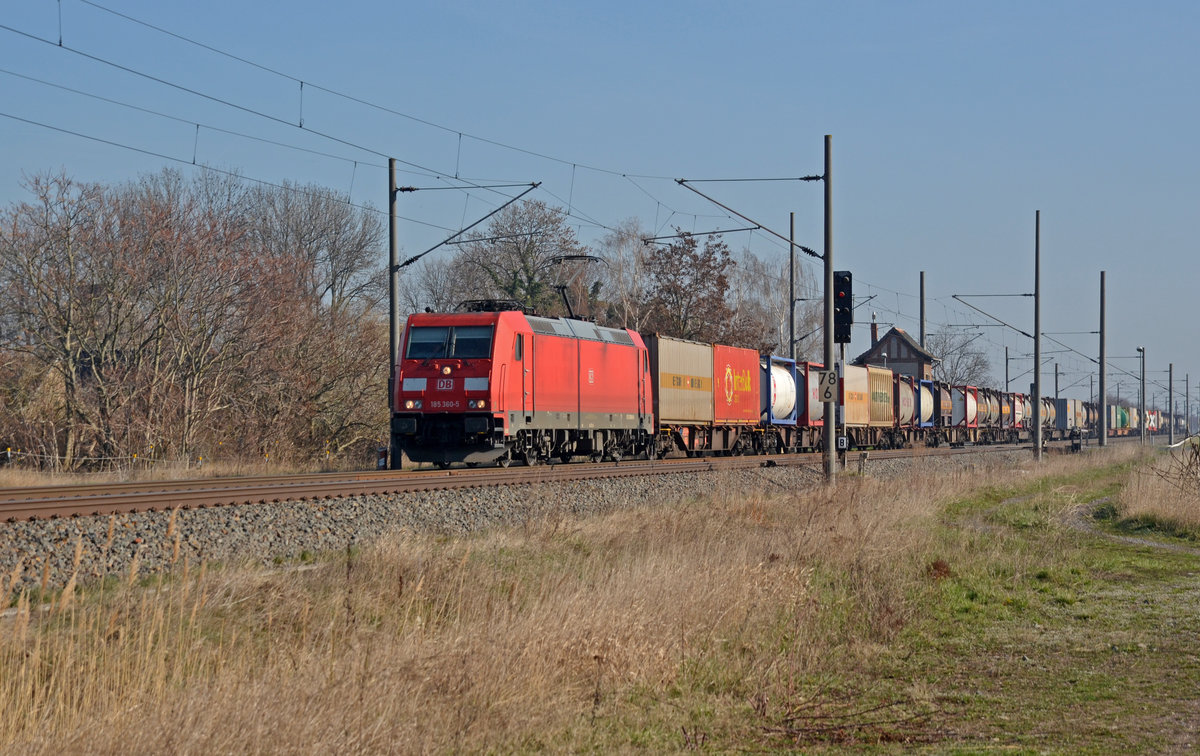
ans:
(1032, 609)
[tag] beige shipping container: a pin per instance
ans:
(883, 409)
(682, 372)
(856, 396)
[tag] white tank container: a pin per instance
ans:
(783, 392)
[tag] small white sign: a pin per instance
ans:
(827, 385)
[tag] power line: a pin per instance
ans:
(209, 127)
(214, 169)
(228, 103)
(439, 175)
(391, 111)
(368, 103)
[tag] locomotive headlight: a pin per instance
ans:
(446, 370)
(412, 404)
(477, 403)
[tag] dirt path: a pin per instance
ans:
(1083, 518)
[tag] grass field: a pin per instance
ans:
(1039, 609)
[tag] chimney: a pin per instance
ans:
(874, 330)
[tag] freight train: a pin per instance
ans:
(494, 385)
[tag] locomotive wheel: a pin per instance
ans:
(504, 461)
(531, 459)
(443, 465)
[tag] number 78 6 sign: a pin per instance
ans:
(827, 385)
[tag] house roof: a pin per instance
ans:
(901, 334)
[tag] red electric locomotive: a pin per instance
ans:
(496, 384)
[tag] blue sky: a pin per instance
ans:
(952, 124)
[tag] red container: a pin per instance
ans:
(810, 411)
(735, 386)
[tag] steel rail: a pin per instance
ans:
(111, 498)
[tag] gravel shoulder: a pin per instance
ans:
(44, 551)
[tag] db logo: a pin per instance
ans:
(445, 384)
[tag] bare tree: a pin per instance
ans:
(441, 284)
(51, 297)
(626, 285)
(960, 362)
(688, 286)
(758, 298)
(524, 253)
(336, 244)
(184, 315)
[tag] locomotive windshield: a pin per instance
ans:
(463, 342)
(471, 342)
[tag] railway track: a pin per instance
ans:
(49, 502)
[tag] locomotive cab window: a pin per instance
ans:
(471, 342)
(425, 342)
(463, 342)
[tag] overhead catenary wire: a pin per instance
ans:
(440, 175)
(225, 102)
(718, 232)
(214, 169)
(303, 84)
(806, 250)
(460, 133)
(462, 231)
(209, 127)
(429, 172)
(362, 101)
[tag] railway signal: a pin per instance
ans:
(843, 306)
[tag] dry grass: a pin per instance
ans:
(1166, 494)
(19, 477)
(690, 620)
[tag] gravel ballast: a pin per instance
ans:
(45, 550)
